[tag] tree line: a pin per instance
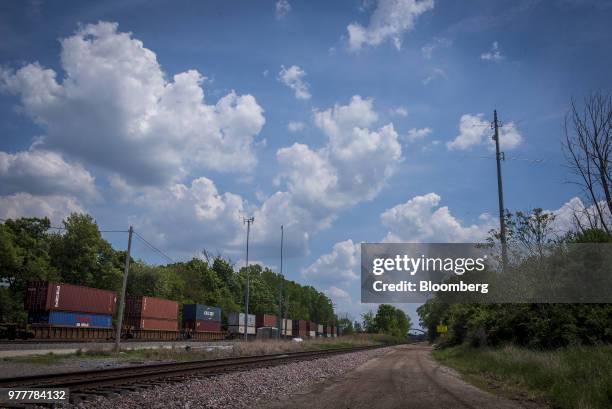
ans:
(78, 254)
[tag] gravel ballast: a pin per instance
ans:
(238, 389)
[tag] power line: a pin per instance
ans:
(154, 248)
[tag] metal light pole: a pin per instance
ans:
(123, 289)
(248, 222)
(280, 290)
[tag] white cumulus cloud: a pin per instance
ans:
(339, 266)
(44, 173)
(416, 134)
(114, 108)
(55, 207)
(389, 21)
(293, 77)
(354, 164)
(422, 219)
(474, 130)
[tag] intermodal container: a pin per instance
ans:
(299, 328)
(287, 328)
(151, 307)
(266, 320)
(312, 334)
(199, 312)
(202, 326)
(319, 329)
(151, 323)
(239, 329)
(71, 319)
(235, 318)
(311, 326)
(265, 333)
(47, 296)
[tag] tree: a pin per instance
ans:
(369, 325)
(588, 151)
(345, 326)
(527, 234)
(392, 321)
(83, 257)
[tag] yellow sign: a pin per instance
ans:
(442, 329)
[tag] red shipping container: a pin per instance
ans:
(265, 320)
(202, 326)
(151, 307)
(300, 328)
(47, 296)
(312, 326)
(151, 323)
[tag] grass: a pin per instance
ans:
(573, 377)
(181, 354)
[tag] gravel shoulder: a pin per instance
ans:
(407, 377)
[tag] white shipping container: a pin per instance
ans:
(239, 329)
(320, 329)
(312, 334)
(235, 318)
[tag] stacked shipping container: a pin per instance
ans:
(235, 323)
(266, 320)
(300, 328)
(287, 327)
(150, 313)
(69, 305)
(201, 318)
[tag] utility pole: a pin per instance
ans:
(499, 156)
(280, 290)
(248, 222)
(123, 290)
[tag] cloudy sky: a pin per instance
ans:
(345, 121)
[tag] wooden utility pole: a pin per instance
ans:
(499, 156)
(248, 222)
(123, 290)
(280, 290)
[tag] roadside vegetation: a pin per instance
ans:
(571, 377)
(557, 353)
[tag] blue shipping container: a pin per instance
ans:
(71, 319)
(199, 312)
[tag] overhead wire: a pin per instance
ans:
(167, 257)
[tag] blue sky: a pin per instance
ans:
(175, 117)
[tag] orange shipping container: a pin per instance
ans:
(47, 296)
(150, 307)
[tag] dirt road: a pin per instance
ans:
(405, 378)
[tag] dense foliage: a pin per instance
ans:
(387, 320)
(530, 324)
(30, 250)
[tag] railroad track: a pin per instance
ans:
(84, 385)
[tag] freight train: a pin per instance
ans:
(66, 312)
